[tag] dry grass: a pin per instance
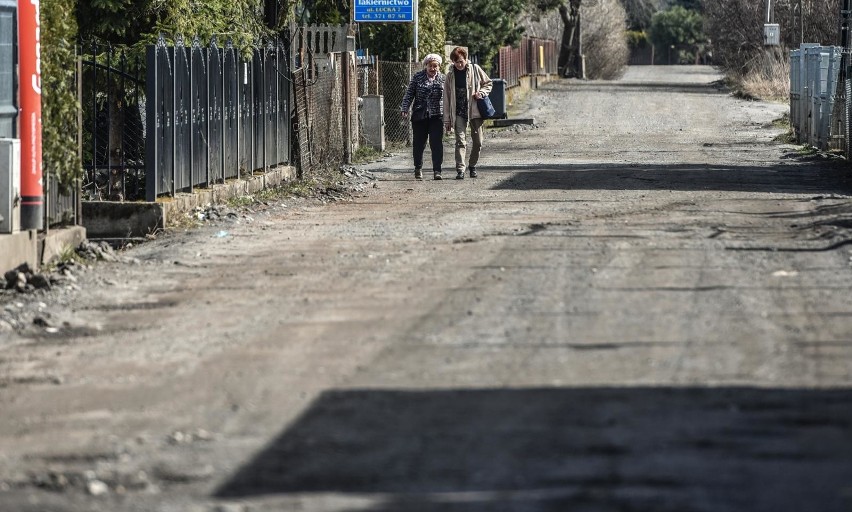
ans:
(768, 78)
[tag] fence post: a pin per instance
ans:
(151, 102)
(347, 116)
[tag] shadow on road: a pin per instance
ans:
(632, 87)
(808, 178)
(661, 449)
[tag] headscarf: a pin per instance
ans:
(432, 56)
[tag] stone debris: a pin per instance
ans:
(97, 488)
(98, 482)
(215, 212)
(179, 437)
(22, 279)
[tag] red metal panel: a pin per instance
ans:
(32, 190)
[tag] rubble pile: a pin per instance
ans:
(22, 279)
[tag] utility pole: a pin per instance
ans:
(771, 31)
(796, 19)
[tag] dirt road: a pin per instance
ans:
(642, 304)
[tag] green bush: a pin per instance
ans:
(636, 38)
(679, 29)
(59, 92)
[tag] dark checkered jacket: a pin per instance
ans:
(427, 100)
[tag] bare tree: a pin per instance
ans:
(604, 43)
(735, 28)
(600, 38)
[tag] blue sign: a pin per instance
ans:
(384, 11)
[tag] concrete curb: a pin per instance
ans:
(107, 219)
(116, 220)
(36, 249)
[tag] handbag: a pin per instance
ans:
(486, 109)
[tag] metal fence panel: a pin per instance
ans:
(231, 91)
(215, 105)
(160, 103)
(257, 111)
(246, 126)
(183, 116)
(215, 115)
(284, 135)
(8, 49)
(827, 129)
(848, 112)
(812, 65)
(270, 114)
(199, 87)
(795, 92)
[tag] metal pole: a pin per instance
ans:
(416, 30)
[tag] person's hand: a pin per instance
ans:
(448, 127)
(405, 114)
(479, 95)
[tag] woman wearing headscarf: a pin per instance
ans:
(424, 98)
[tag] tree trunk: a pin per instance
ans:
(569, 51)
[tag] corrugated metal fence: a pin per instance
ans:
(818, 108)
(532, 57)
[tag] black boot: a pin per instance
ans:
(418, 174)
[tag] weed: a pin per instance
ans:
(236, 202)
(366, 154)
(783, 122)
(68, 254)
(807, 150)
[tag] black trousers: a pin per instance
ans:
(433, 130)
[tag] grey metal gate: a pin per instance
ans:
(8, 47)
(213, 115)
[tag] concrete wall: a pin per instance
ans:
(107, 219)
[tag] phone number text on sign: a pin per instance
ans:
(384, 10)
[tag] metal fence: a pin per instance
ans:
(213, 115)
(63, 208)
(8, 60)
(112, 102)
(533, 56)
(392, 79)
(326, 103)
(815, 91)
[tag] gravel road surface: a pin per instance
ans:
(642, 304)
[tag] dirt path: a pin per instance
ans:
(641, 304)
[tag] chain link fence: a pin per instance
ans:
(326, 102)
(393, 80)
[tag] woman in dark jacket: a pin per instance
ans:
(424, 98)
